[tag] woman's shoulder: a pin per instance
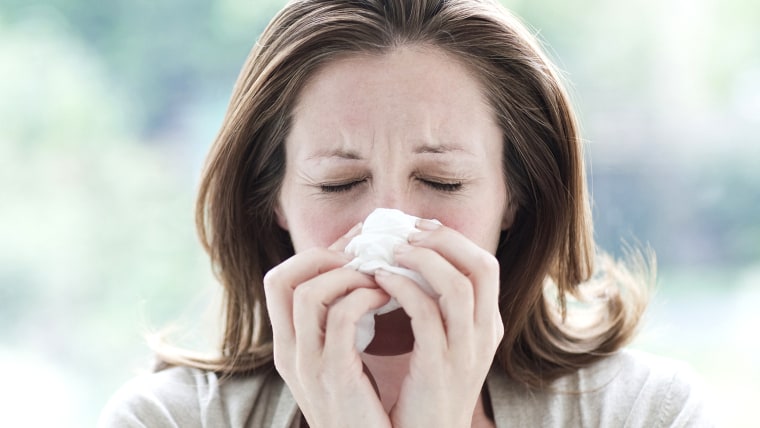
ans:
(629, 388)
(189, 397)
(657, 391)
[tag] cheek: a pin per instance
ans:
(479, 220)
(319, 228)
(313, 223)
(475, 227)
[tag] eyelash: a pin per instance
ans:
(345, 187)
(339, 188)
(444, 187)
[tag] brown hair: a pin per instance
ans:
(547, 255)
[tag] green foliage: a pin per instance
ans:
(162, 54)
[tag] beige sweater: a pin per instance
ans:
(629, 389)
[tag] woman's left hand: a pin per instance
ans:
(455, 335)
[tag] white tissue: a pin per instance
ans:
(382, 231)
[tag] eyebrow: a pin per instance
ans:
(436, 149)
(337, 153)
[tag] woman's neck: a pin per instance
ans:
(388, 373)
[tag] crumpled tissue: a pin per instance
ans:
(382, 231)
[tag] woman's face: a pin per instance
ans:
(409, 129)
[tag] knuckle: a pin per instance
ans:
(311, 253)
(461, 292)
(339, 316)
(462, 287)
(271, 278)
(443, 232)
(487, 262)
(497, 333)
(282, 361)
(426, 311)
(499, 330)
(279, 362)
(303, 294)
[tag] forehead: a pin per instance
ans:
(416, 93)
(426, 67)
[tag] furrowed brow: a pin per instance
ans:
(436, 149)
(337, 153)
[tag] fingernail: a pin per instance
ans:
(416, 237)
(424, 224)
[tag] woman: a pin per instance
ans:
(445, 110)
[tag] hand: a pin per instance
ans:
(314, 305)
(456, 335)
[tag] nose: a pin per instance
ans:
(396, 196)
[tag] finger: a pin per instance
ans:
(427, 323)
(304, 266)
(340, 243)
(313, 298)
(280, 281)
(340, 331)
(279, 302)
(454, 289)
(477, 264)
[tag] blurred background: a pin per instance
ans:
(108, 108)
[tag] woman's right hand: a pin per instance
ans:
(314, 304)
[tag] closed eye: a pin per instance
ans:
(449, 187)
(340, 187)
(443, 186)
